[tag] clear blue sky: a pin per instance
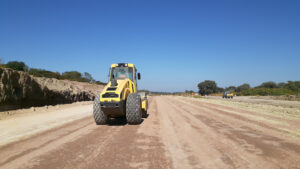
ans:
(175, 44)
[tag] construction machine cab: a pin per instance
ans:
(121, 72)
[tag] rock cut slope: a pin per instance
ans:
(19, 90)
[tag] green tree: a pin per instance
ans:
(189, 91)
(242, 87)
(230, 88)
(15, 65)
(89, 77)
(269, 85)
(281, 85)
(207, 87)
(293, 85)
(220, 90)
(1, 63)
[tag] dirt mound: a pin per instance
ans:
(19, 90)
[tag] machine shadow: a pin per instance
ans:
(146, 116)
(121, 121)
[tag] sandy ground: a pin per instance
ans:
(179, 132)
(266, 100)
(23, 123)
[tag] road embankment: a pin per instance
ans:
(20, 90)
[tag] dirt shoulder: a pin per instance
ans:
(286, 109)
(260, 100)
(20, 124)
(285, 115)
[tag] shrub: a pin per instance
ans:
(77, 76)
(242, 87)
(293, 85)
(44, 73)
(268, 85)
(73, 75)
(15, 65)
(100, 83)
(220, 90)
(266, 92)
(230, 88)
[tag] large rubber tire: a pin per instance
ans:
(133, 109)
(99, 116)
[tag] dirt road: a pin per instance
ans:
(178, 133)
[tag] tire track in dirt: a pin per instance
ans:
(204, 146)
(82, 144)
(178, 133)
(241, 116)
(272, 148)
(292, 124)
(129, 146)
(18, 153)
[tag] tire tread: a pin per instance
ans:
(99, 116)
(133, 109)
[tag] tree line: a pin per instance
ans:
(270, 88)
(68, 75)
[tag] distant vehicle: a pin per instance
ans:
(228, 94)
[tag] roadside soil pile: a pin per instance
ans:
(21, 90)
